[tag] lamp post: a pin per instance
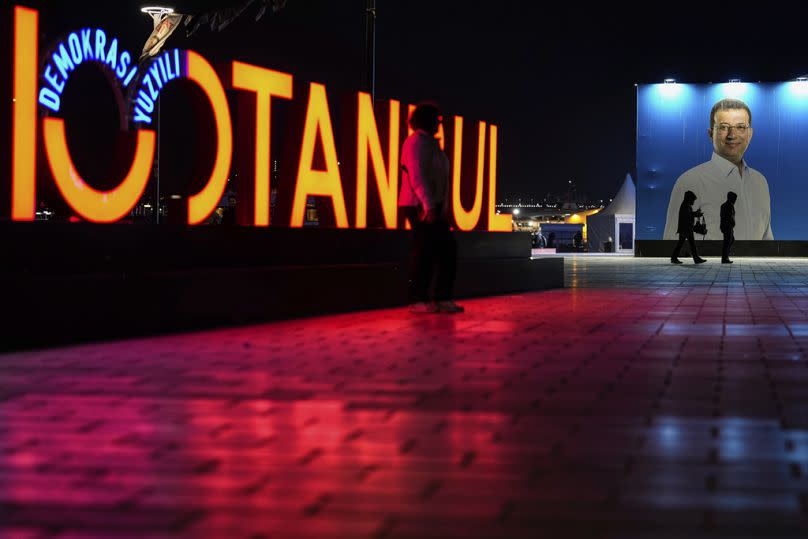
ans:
(370, 49)
(157, 13)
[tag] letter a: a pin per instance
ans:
(318, 182)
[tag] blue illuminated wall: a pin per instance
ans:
(672, 122)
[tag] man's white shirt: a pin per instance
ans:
(711, 181)
(425, 174)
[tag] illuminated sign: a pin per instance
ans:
(312, 166)
(163, 69)
(87, 45)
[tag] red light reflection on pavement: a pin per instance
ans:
(563, 411)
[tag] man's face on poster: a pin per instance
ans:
(731, 134)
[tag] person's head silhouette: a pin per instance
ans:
(426, 117)
(690, 198)
(732, 197)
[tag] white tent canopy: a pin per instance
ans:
(625, 201)
(615, 222)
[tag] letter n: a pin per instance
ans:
(311, 182)
(368, 144)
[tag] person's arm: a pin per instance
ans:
(768, 234)
(672, 221)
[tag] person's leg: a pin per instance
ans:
(691, 241)
(446, 271)
(430, 259)
(725, 247)
(446, 258)
(420, 259)
(678, 247)
(728, 241)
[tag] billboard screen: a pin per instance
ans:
(755, 145)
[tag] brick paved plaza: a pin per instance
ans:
(643, 401)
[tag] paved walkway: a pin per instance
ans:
(648, 401)
(785, 274)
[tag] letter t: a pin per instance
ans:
(266, 84)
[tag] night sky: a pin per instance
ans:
(559, 81)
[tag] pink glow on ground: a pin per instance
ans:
(662, 409)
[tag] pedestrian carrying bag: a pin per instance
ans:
(700, 227)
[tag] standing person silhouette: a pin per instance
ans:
(685, 229)
(728, 226)
(424, 201)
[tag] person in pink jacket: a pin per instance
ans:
(423, 200)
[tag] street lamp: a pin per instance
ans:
(370, 49)
(157, 13)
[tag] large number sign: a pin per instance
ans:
(310, 162)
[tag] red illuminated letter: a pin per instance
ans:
(23, 160)
(318, 182)
(467, 220)
(266, 84)
(367, 142)
(496, 223)
(204, 202)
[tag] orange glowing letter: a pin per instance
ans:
(467, 220)
(23, 160)
(93, 205)
(496, 223)
(367, 142)
(204, 202)
(266, 84)
(318, 182)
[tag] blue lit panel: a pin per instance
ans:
(672, 122)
